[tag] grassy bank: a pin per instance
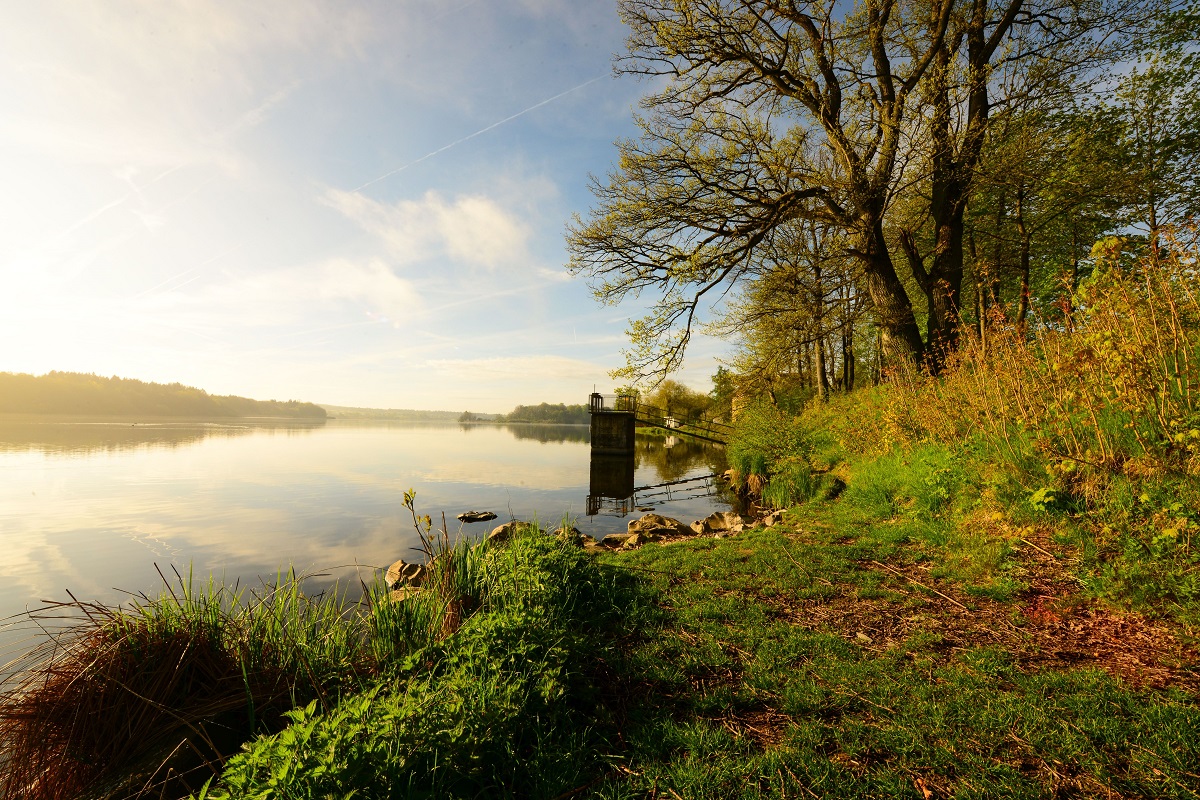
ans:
(983, 585)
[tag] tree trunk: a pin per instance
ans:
(1023, 232)
(900, 338)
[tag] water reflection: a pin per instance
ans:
(682, 468)
(92, 506)
(81, 436)
(551, 433)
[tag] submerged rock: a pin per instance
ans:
(475, 516)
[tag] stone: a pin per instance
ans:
(654, 526)
(403, 593)
(572, 535)
(402, 573)
(633, 541)
(503, 533)
(616, 539)
(772, 519)
(475, 516)
(720, 521)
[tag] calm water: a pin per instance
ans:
(92, 507)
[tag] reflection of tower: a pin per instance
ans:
(611, 484)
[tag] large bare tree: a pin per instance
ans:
(769, 111)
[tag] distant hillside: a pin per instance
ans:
(402, 414)
(91, 395)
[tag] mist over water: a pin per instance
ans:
(92, 506)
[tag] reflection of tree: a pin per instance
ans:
(59, 436)
(672, 463)
(551, 433)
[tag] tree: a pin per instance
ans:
(780, 110)
(677, 400)
(800, 306)
(774, 111)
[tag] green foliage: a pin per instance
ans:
(79, 394)
(677, 400)
(925, 479)
(741, 692)
(503, 707)
(764, 437)
(558, 414)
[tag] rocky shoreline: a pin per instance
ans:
(404, 578)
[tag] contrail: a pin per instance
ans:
(480, 132)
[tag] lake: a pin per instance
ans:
(92, 506)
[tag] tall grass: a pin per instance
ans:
(151, 698)
(507, 706)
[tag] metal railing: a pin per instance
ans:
(612, 403)
(654, 416)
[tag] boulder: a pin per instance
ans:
(616, 539)
(475, 516)
(503, 533)
(402, 594)
(572, 535)
(402, 573)
(653, 526)
(720, 521)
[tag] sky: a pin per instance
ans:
(355, 203)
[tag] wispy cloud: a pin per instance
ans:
(479, 132)
(471, 229)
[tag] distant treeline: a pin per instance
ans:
(395, 414)
(93, 395)
(560, 414)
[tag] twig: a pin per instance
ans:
(895, 571)
(801, 566)
(1040, 550)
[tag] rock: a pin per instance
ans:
(653, 526)
(475, 516)
(720, 521)
(503, 533)
(616, 539)
(403, 593)
(633, 541)
(508, 530)
(572, 534)
(402, 573)
(772, 519)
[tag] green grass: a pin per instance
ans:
(752, 681)
(507, 706)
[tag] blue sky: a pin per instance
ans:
(350, 203)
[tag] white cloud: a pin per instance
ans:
(471, 229)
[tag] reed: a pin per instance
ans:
(150, 698)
